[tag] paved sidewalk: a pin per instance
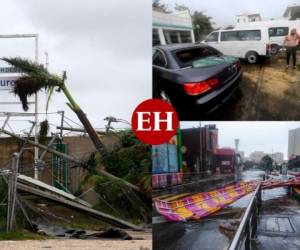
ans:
(66, 244)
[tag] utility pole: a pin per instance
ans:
(200, 149)
(12, 192)
(36, 110)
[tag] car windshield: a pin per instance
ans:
(187, 58)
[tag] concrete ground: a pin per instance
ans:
(267, 92)
(279, 225)
(64, 244)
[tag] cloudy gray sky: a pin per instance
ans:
(254, 136)
(224, 11)
(105, 46)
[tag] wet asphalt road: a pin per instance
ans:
(205, 234)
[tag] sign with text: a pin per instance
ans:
(10, 70)
(154, 121)
(7, 82)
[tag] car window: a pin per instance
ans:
(229, 36)
(159, 58)
(213, 37)
(278, 31)
(185, 58)
(250, 35)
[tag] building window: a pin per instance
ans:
(185, 36)
(171, 36)
(155, 37)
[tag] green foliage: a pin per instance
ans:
(203, 25)
(158, 5)
(132, 162)
(44, 129)
(266, 163)
(35, 79)
(181, 7)
(21, 236)
(295, 16)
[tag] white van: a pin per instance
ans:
(278, 30)
(247, 43)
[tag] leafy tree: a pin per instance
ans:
(181, 7)
(295, 16)
(203, 25)
(266, 163)
(229, 27)
(248, 165)
(158, 5)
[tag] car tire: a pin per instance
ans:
(274, 49)
(252, 57)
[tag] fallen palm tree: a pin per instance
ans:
(36, 78)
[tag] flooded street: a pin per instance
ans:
(207, 233)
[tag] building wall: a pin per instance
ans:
(78, 146)
(177, 22)
(256, 156)
(294, 143)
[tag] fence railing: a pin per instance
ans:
(247, 229)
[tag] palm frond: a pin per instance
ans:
(25, 65)
(35, 78)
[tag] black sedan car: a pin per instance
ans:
(195, 78)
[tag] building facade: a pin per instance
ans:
(170, 28)
(256, 156)
(294, 143)
(248, 18)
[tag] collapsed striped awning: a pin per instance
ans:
(203, 204)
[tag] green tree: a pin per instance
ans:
(266, 163)
(158, 5)
(181, 7)
(295, 16)
(203, 25)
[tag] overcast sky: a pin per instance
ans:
(254, 136)
(223, 11)
(105, 46)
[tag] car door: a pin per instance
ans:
(159, 64)
(213, 40)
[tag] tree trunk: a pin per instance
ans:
(91, 131)
(85, 122)
(93, 136)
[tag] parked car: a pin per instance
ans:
(194, 75)
(246, 43)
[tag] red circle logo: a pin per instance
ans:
(154, 121)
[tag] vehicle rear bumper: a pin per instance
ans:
(217, 98)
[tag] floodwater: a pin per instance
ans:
(205, 234)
